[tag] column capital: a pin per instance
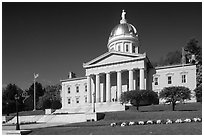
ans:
(131, 69)
(119, 71)
(90, 75)
(142, 68)
(108, 72)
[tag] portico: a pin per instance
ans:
(109, 80)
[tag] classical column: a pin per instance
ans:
(108, 88)
(102, 90)
(142, 85)
(93, 94)
(97, 88)
(134, 80)
(130, 80)
(130, 48)
(119, 85)
(89, 89)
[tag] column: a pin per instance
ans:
(108, 88)
(142, 79)
(119, 85)
(89, 89)
(135, 80)
(97, 88)
(130, 48)
(102, 90)
(93, 94)
(130, 80)
(122, 47)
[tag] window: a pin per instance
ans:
(118, 47)
(69, 100)
(133, 49)
(69, 90)
(138, 81)
(169, 80)
(85, 98)
(126, 46)
(156, 81)
(77, 89)
(183, 78)
(85, 88)
(77, 100)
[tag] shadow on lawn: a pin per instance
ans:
(186, 110)
(150, 110)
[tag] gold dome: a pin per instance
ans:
(123, 29)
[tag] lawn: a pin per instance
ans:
(155, 112)
(170, 129)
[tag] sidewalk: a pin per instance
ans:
(12, 128)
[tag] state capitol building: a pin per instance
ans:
(122, 68)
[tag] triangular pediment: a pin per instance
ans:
(113, 57)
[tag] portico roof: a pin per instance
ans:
(113, 57)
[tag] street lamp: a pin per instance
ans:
(17, 122)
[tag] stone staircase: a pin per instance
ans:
(71, 115)
(88, 108)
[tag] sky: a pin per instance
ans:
(52, 39)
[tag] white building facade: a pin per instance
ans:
(121, 69)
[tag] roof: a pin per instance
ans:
(73, 79)
(173, 66)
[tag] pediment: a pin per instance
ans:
(113, 57)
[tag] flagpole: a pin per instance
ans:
(34, 94)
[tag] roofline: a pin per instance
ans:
(173, 66)
(111, 52)
(73, 79)
(91, 66)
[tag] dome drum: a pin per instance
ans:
(122, 38)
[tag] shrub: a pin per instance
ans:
(139, 97)
(56, 104)
(198, 92)
(175, 93)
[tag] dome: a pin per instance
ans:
(123, 37)
(123, 29)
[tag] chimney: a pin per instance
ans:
(71, 75)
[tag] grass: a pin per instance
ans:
(155, 112)
(173, 129)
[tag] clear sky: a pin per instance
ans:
(54, 38)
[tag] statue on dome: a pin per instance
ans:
(123, 15)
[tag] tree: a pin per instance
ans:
(192, 48)
(39, 92)
(198, 92)
(8, 100)
(171, 58)
(51, 98)
(135, 97)
(174, 94)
